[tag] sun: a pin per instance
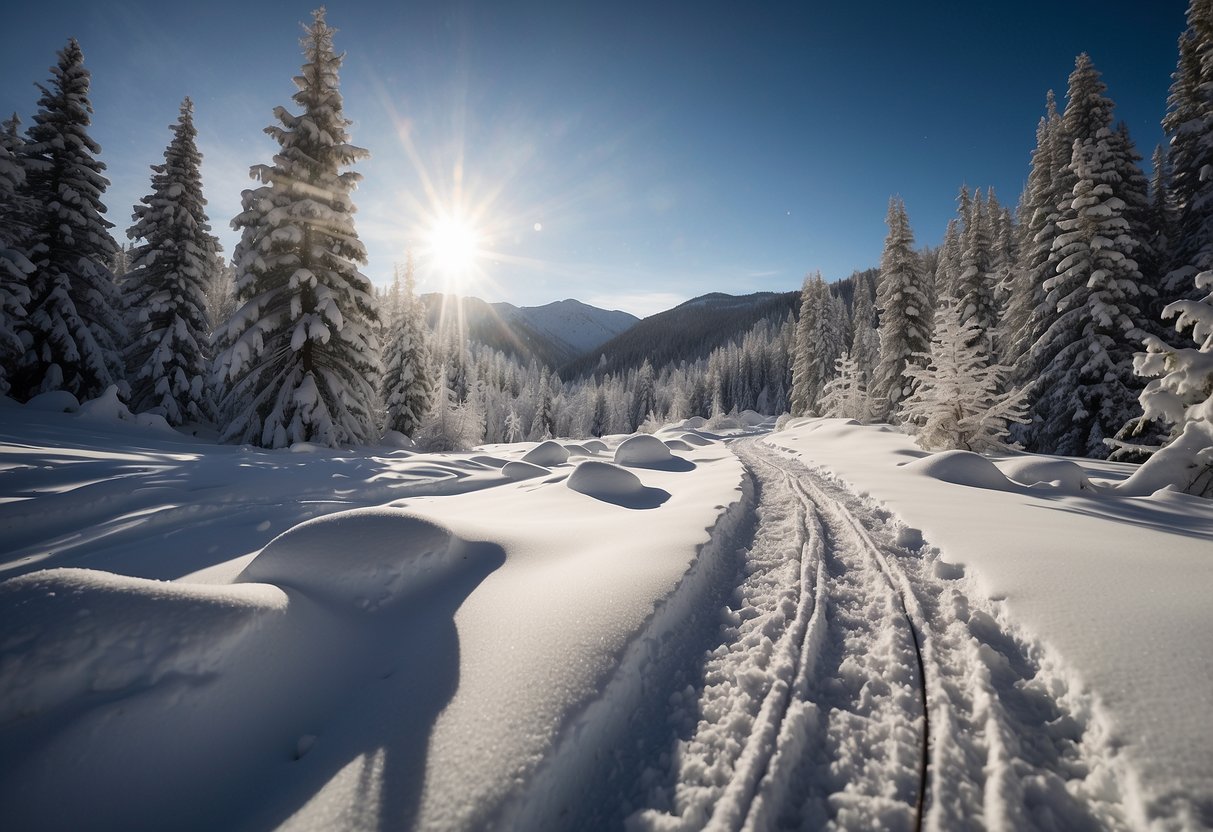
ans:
(452, 247)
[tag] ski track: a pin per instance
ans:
(810, 711)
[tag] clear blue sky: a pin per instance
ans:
(663, 149)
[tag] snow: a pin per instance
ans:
(203, 636)
(1116, 583)
(547, 453)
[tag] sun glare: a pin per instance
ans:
(453, 246)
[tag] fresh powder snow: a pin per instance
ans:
(709, 627)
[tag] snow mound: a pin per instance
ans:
(613, 484)
(396, 439)
(594, 445)
(488, 461)
(1058, 473)
(109, 408)
(519, 470)
(695, 439)
(678, 445)
(962, 468)
(306, 448)
(751, 419)
(642, 449)
(576, 449)
(73, 633)
(695, 423)
(547, 453)
(56, 401)
(368, 558)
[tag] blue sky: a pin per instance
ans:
(630, 155)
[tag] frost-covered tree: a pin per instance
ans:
(302, 361)
(74, 332)
(1027, 315)
(168, 359)
(14, 266)
(1085, 390)
(903, 301)
(976, 282)
(958, 399)
(1189, 126)
(865, 340)
(644, 398)
(1180, 393)
(408, 388)
(820, 336)
(846, 395)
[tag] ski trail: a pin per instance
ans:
(862, 684)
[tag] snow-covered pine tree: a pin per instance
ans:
(819, 335)
(168, 359)
(74, 328)
(1180, 393)
(958, 399)
(903, 303)
(303, 362)
(947, 267)
(644, 397)
(1085, 392)
(1027, 314)
(14, 266)
(1189, 125)
(865, 340)
(846, 395)
(408, 389)
(976, 283)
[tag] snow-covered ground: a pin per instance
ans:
(725, 629)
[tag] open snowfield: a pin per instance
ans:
(736, 629)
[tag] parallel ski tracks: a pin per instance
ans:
(857, 684)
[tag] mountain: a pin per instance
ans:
(688, 332)
(553, 334)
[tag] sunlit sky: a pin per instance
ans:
(630, 155)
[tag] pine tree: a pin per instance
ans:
(303, 361)
(846, 396)
(14, 266)
(865, 340)
(1189, 124)
(408, 389)
(903, 303)
(975, 285)
(168, 360)
(819, 342)
(1028, 314)
(958, 399)
(1085, 391)
(1180, 393)
(644, 397)
(74, 328)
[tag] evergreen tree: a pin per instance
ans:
(819, 342)
(644, 398)
(168, 360)
(958, 400)
(903, 303)
(1027, 314)
(303, 361)
(865, 340)
(1180, 394)
(408, 388)
(846, 396)
(14, 266)
(74, 328)
(1085, 391)
(975, 285)
(1189, 124)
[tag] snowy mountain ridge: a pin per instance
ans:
(578, 326)
(553, 334)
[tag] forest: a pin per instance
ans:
(1079, 322)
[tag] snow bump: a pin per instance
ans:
(547, 453)
(367, 558)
